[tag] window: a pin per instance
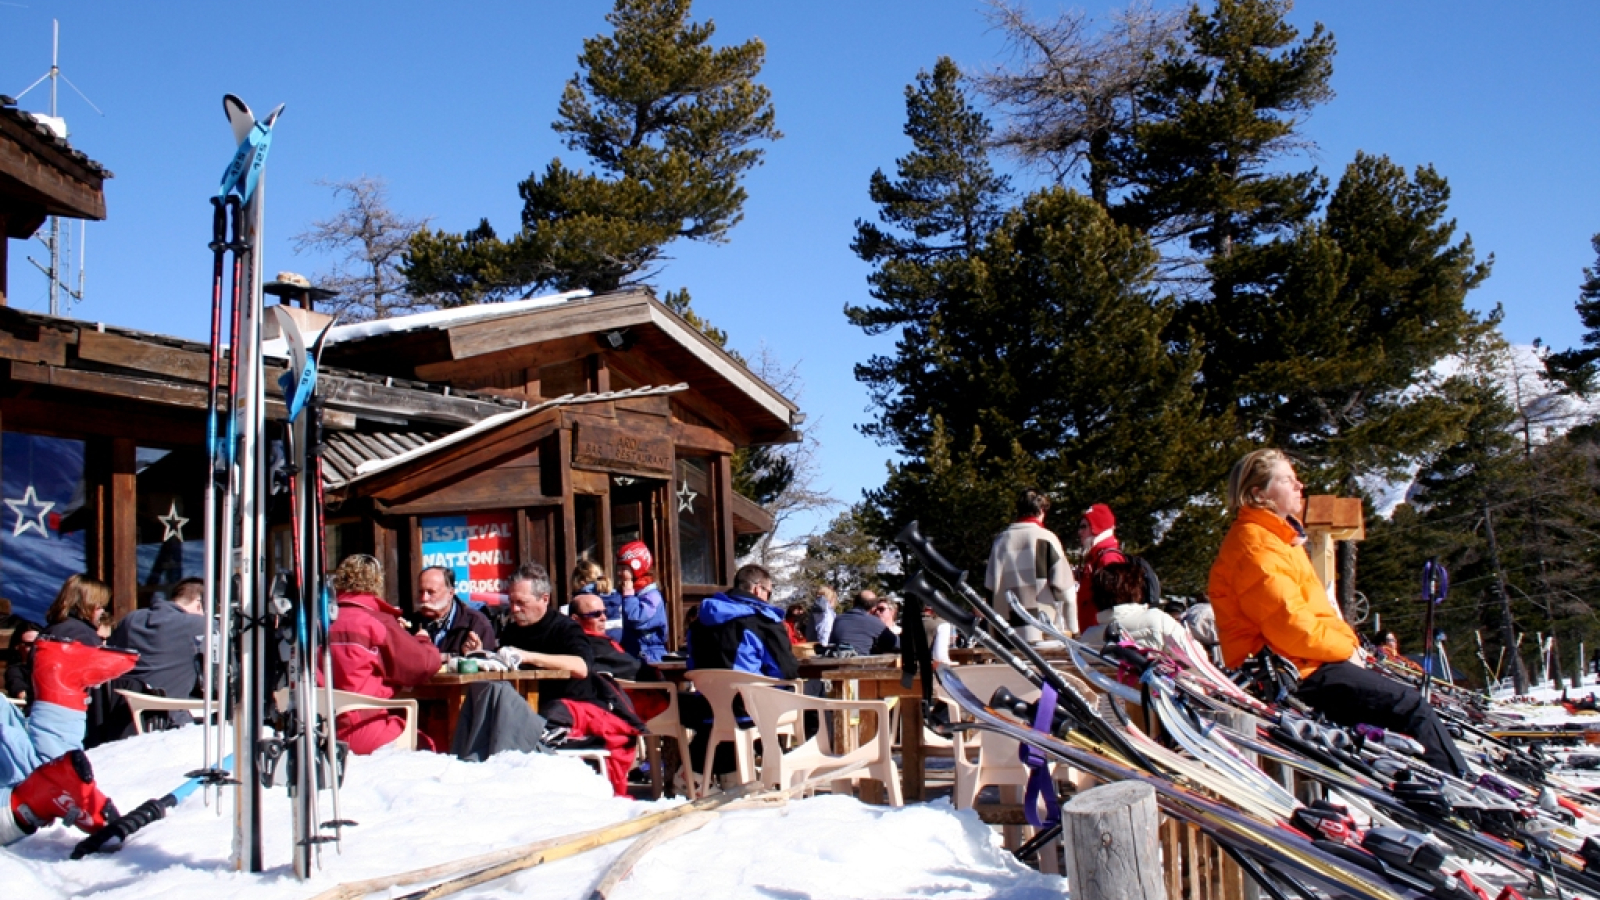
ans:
(170, 521)
(43, 520)
(697, 521)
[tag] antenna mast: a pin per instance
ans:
(59, 125)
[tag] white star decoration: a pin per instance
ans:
(30, 512)
(686, 498)
(172, 524)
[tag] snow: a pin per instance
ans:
(420, 809)
(440, 318)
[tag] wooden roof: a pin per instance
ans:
(41, 175)
(660, 348)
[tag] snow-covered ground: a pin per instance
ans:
(420, 809)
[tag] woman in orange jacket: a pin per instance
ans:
(1265, 594)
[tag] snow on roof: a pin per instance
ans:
(372, 467)
(441, 318)
(278, 348)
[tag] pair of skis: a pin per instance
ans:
(240, 676)
(1262, 843)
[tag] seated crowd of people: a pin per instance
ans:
(1263, 598)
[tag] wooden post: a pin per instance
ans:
(124, 578)
(1111, 839)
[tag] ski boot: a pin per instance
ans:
(64, 670)
(63, 789)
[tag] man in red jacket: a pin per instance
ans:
(373, 654)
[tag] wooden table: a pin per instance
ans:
(439, 701)
(877, 678)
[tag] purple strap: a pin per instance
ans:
(1040, 784)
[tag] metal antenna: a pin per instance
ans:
(53, 271)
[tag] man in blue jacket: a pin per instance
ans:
(739, 629)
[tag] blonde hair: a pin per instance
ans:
(359, 574)
(80, 597)
(1249, 478)
(587, 571)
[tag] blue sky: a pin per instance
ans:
(451, 103)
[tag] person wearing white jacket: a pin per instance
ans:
(1119, 596)
(1026, 559)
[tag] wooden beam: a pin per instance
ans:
(722, 471)
(185, 396)
(527, 356)
(538, 326)
(37, 182)
(569, 517)
(50, 347)
(77, 421)
(647, 371)
(124, 526)
(699, 438)
(5, 253)
(407, 480)
(142, 356)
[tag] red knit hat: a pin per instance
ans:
(636, 556)
(1100, 518)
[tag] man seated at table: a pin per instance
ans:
(736, 629)
(589, 612)
(583, 706)
(454, 627)
(864, 629)
(169, 636)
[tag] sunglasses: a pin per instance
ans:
(597, 614)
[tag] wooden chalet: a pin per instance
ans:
(543, 430)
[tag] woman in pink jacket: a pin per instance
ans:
(373, 654)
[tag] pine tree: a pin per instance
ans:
(671, 125)
(935, 214)
(845, 557)
(1578, 368)
(1335, 359)
(1216, 118)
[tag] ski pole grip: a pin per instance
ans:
(124, 826)
(919, 585)
(912, 539)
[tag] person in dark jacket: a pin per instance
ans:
(19, 659)
(76, 612)
(863, 629)
(737, 629)
(741, 629)
(584, 705)
(169, 637)
(454, 627)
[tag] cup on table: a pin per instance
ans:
(467, 666)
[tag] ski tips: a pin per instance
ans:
(239, 116)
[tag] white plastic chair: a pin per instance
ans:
(784, 769)
(348, 701)
(983, 758)
(719, 687)
(139, 704)
(666, 724)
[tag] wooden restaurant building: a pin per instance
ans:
(544, 430)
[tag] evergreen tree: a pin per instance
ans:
(1577, 368)
(1334, 359)
(1055, 353)
(671, 125)
(845, 557)
(934, 215)
(1217, 115)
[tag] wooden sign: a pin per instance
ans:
(632, 451)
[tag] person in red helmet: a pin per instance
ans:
(644, 610)
(1097, 534)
